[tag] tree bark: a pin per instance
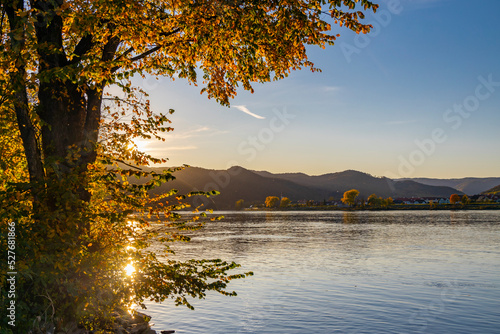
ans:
(21, 105)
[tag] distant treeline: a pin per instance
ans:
(351, 201)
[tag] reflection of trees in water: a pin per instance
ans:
(350, 218)
(460, 217)
(355, 234)
(251, 231)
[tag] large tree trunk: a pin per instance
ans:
(70, 112)
(62, 106)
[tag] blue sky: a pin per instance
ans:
(419, 97)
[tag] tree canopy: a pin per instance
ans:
(284, 202)
(350, 197)
(455, 198)
(239, 204)
(272, 201)
(375, 201)
(465, 199)
(67, 152)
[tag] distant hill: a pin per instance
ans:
(337, 183)
(251, 186)
(469, 185)
(234, 184)
(492, 191)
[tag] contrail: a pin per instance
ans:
(246, 111)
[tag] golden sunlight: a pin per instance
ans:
(131, 308)
(129, 269)
(132, 223)
(138, 144)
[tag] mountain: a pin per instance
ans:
(234, 184)
(337, 183)
(254, 186)
(469, 185)
(492, 191)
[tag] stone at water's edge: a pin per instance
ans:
(128, 324)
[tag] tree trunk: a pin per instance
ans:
(21, 105)
(70, 112)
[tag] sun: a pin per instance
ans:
(142, 145)
(138, 144)
(129, 269)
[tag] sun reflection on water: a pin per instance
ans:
(131, 308)
(133, 224)
(129, 268)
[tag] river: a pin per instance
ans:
(348, 272)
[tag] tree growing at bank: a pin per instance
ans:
(284, 202)
(68, 146)
(349, 197)
(272, 201)
(465, 200)
(239, 205)
(376, 201)
(455, 198)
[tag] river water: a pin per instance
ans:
(348, 272)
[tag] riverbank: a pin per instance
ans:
(395, 207)
(125, 323)
(137, 323)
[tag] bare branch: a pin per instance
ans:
(146, 53)
(82, 47)
(127, 52)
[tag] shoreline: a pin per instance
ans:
(404, 207)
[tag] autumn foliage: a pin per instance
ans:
(350, 196)
(272, 201)
(455, 198)
(376, 201)
(284, 202)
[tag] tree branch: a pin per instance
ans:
(146, 53)
(49, 27)
(82, 48)
(129, 50)
(93, 108)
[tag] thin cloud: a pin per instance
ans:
(246, 111)
(190, 133)
(331, 88)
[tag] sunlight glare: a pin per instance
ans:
(132, 308)
(129, 269)
(137, 144)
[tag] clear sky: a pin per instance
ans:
(418, 97)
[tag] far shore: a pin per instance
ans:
(396, 207)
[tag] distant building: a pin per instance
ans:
(421, 200)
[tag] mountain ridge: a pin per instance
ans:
(493, 191)
(467, 185)
(238, 183)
